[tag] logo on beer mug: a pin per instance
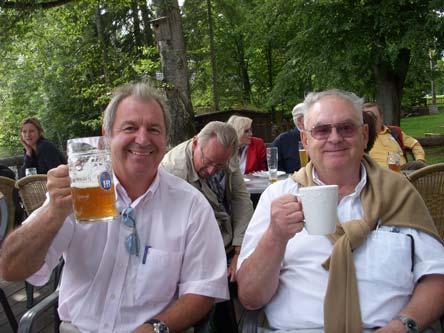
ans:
(105, 180)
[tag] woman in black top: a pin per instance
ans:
(39, 152)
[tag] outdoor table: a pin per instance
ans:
(257, 184)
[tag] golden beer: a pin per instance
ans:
(395, 167)
(303, 157)
(94, 204)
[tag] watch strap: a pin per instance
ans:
(158, 325)
(410, 324)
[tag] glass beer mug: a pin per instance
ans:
(92, 185)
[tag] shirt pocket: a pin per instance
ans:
(158, 278)
(386, 258)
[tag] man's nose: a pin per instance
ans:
(211, 169)
(334, 135)
(142, 136)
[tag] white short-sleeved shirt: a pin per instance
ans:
(383, 265)
(104, 289)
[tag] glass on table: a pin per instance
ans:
(272, 162)
(303, 156)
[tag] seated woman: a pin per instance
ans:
(252, 150)
(39, 152)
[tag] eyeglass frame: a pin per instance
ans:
(206, 162)
(339, 131)
(132, 242)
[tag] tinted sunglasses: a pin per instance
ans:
(346, 130)
(132, 242)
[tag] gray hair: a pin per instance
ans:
(143, 91)
(224, 132)
(239, 123)
(298, 111)
(315, 97)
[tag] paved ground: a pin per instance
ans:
(17, 300)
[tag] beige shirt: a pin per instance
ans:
(179, 162)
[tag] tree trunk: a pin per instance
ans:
(269, 55)
(102, 43)
(243, 70)
(136, 25)
(390, 80)
(171, 44)
(213, 58)
(148, 38)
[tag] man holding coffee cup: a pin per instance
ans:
(158, 267)
(382, 269)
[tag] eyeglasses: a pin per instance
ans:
(209, 163)
(132, 242)
(346, 130)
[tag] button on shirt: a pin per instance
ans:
(105, 289)
(383, 265)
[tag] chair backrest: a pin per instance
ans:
(429, 181)
(32, 191)
(3, 217)
(7, 188)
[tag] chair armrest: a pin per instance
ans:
(30, 316)
(250, 321)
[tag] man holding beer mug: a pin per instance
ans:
(158, 266)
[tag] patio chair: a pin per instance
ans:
(429, 181)
(3, 229)
(30, 317)
(32, 191)
(7, 187)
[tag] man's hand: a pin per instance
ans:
(58, 186)
(232, 268)
(286, 217)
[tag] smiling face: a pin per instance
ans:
(30, 134)
(335, 153)
(138, 141)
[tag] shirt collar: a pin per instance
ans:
(122, 194)
(358, 187)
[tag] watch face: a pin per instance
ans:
(161, 328)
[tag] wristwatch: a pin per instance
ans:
(158, 325)
(410, 325)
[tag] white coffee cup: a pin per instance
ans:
(319, 204)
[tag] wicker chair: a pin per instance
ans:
(3, 229)
(7, 188)
(32, 191)
(429, 181)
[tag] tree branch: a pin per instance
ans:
(26, 5)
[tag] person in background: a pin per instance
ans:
(206, 162)
(382, 270)
(287, 143)
(252, 150)
(158, 267)
(40, 153)
(392, 139)
(370, 120)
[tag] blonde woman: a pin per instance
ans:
(40, 153)
(252, 150)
